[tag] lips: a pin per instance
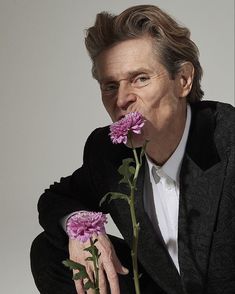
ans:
(123, 115)
(120, 117)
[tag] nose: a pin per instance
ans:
(125, 97)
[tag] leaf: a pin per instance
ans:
(113, 196)
(92, 249)
(131, 170)
(89, 285)
(96, 240)
(79, 276)
(74, 265)
(126, 170)
(116, 195)
(96, 252)
(89, 249)
(124, 181)
(104, 198)
(90, 258)
(82, 274)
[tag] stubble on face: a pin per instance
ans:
(158, 102)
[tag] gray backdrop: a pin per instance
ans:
(49, 102)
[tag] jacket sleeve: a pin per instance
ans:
(72, 193)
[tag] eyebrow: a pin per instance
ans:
(130, 74)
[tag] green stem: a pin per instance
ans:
(96, 267)
(137, 166)
(136, 229)
(135, 225)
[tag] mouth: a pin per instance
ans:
(120, 117)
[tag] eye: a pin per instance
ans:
(109, 88)
(141, 80)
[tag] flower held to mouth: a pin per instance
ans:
(132, 122)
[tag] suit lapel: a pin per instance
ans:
(201, 183)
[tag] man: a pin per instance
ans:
(185, 202)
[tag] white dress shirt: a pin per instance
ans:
(163, 187)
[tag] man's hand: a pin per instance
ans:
(109, 264)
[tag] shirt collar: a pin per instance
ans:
(172, 166)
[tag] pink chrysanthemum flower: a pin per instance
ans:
(132, 122)
(84, 224)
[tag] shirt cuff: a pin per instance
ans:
(64, 220)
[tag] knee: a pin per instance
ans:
(36, 254)
(50, 275)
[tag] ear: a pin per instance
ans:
(185, 76)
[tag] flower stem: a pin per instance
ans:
(136, 229)
(96, 267)
(137, 166)
(135, 225)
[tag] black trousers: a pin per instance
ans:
(52, 277)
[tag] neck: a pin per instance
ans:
(160, 149)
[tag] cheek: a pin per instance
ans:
(107, 103)
(158, 116)
(154, 95)
(163, 97)
(110, 108)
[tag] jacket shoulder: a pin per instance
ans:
(222, 113)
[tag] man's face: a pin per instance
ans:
(132, 79)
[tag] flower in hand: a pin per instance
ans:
(83, 226)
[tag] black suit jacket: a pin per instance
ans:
(206, 225)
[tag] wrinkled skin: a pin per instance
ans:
(109, 264)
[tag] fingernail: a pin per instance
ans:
(125, 270)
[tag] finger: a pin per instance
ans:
(90, 273)
(108, 254)
(112, 277)
(79, 286)
(118, 266)
(91, 291)
(102, 281)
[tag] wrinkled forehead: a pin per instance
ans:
(125, 57)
